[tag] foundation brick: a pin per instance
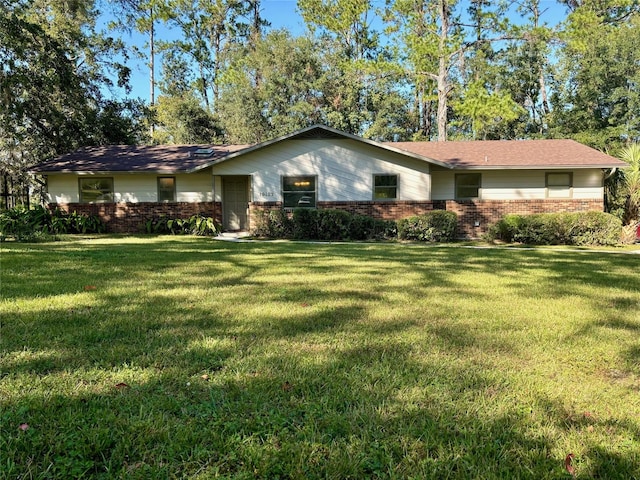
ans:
(131, 217)
(474, 216)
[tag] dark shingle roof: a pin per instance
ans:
(130, 158)
(496, 154)
(517, 154)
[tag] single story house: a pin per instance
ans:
(320, 167)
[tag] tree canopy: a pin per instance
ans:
(404, 70)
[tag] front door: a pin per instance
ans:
(235, 201)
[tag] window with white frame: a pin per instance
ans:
(559, 184)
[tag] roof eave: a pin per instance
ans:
(108, 172)
(532, 167)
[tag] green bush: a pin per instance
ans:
(582, 228)
(322, 224)
(38, 223)
(194, 225)
(279, 224)
(305, 224)
(333, 224)
(435, 226)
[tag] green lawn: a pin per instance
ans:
(169, 357)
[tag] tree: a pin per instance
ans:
(143, 16)
(487, 111)
(350, 48)
(52, 82)
(209, 28)
(630, 185)
(596, 97)
(183, 120)
(272, 90)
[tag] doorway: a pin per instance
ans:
(235, 201)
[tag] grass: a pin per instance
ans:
(168, 357)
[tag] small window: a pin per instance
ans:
(299, 192)
(468, 186)
(166, 189)
(95, 190)
(559, 184)
(385, 187)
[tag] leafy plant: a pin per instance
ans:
(37, 223)
(322, 224)
(435, 226)
(580, 228)
(194, 225)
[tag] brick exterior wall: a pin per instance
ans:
(131, 217)
(381, 210)
(474, 216)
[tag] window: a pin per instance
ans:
(385, 187)
(467, 186)
(166, 189)
(96, 190)
(559, 184)
(299, 192)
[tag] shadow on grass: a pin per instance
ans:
(195, 358)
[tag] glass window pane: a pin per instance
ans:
(559, 179)
(299, 184)
(385, 192)
(385, 187)
(166, 189)
(299, 191)
(468, 185)
(96, 190)
(386, 180)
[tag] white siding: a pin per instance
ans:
(63, 188)
(135, 188)
(345, 169)
(194, 187)
(588, 184)
(518, 184)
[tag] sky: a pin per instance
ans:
(281, 14)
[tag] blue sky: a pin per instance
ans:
(281, 14)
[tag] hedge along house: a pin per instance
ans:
(320, 167)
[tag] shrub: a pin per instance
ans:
(329, 224)
(333, 224)
(583, 228)
(280, 225)
(37, 223)
(194, 225)
(305, 224)
(435, 226)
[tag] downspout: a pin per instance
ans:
(613, 171)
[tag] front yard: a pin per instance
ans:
(169, 357)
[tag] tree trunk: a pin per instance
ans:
(152, 53)
(443, 84)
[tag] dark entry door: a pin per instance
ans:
(235, 201)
